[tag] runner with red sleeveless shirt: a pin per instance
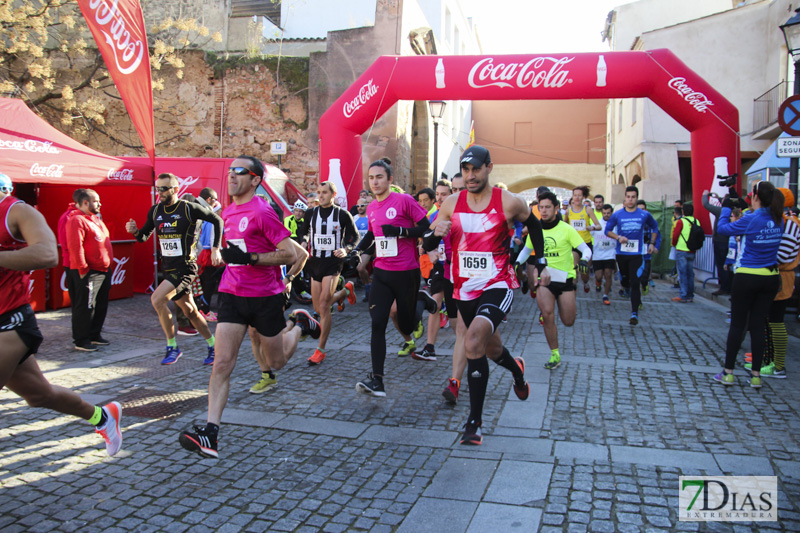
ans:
(480, 225)
(26, 243)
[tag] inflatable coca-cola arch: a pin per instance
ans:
(656, 74)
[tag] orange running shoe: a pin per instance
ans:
(748, 357)
(317, 358)
(351, 297)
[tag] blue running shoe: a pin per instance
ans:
(210, 359)
(634, 319)
(173, 354)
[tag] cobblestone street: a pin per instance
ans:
(598, 446)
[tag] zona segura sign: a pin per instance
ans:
(788, 147)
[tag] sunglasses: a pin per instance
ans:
(164, 189)
(241, 171)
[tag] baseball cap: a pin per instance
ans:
(476, 155)
(5, 184)
(299, 205)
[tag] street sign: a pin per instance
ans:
(788, 147)
(789, 115)
(277, 148)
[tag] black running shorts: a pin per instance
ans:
(603, 264)
(22, 320)
(320, 267)
(181, 278)
(265, 313)
(557, 288)
(493, 305)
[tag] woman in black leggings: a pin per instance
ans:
(756, 281)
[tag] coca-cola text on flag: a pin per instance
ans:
(118, 29)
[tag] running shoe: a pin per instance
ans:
(634, 319)
(424, 355)
(749, 366)
(86, 347)
(199, 441)
(408, 348)
(188, 331)
(317, 358)
(305, 295)
(264, 383)
(646, 289)
(521, 387)
(585, 287)
(418, 331)
(597, 287)
(351, 297)
(680, 300)
(173, 354)
(307, 324)
(768, 370)
(725, 378)
(472, 433)
(553, 363)
(444, 322)
(430, 304)
(606, 301)
(777, 374)
(372, 386)
(340, 304)
(210, 359)
(100, 341)
(211, 316)
(755, 382)
(450, 392)
(748, 357)
(111, 431)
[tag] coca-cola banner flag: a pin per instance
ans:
(656, 74)
(118, 29)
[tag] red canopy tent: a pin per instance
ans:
(46, 166)
(32, 151)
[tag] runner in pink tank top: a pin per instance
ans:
(479, 224)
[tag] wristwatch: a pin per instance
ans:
(290, 277)
(542, 261)
(253, 259)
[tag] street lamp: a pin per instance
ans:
(791, 33)
(437, 110)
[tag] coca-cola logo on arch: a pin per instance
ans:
(367, 91)
(127, 55)
(696, 99)
(48, 171)
(543, 71)
(29, 145)
(121, 174)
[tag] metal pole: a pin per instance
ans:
(793, 164)
(436, 154)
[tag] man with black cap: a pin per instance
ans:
(479, 224)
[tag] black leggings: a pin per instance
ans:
(390, 286)
(631, 269)
(751, 297)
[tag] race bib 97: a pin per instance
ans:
(386, 246)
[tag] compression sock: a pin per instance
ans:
(779, 343)
(506, 361)
(172, 343)
(418, 312)
(478, 379)
(99, 418)
(210, 340)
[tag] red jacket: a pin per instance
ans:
(89, 243)
(62, 233)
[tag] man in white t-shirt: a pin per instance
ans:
(604, 256)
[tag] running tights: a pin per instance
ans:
(390, 286)
(631, 269)
(751, 297)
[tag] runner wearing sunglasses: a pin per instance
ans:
(174, 223)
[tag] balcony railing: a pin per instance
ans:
(765, 107)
